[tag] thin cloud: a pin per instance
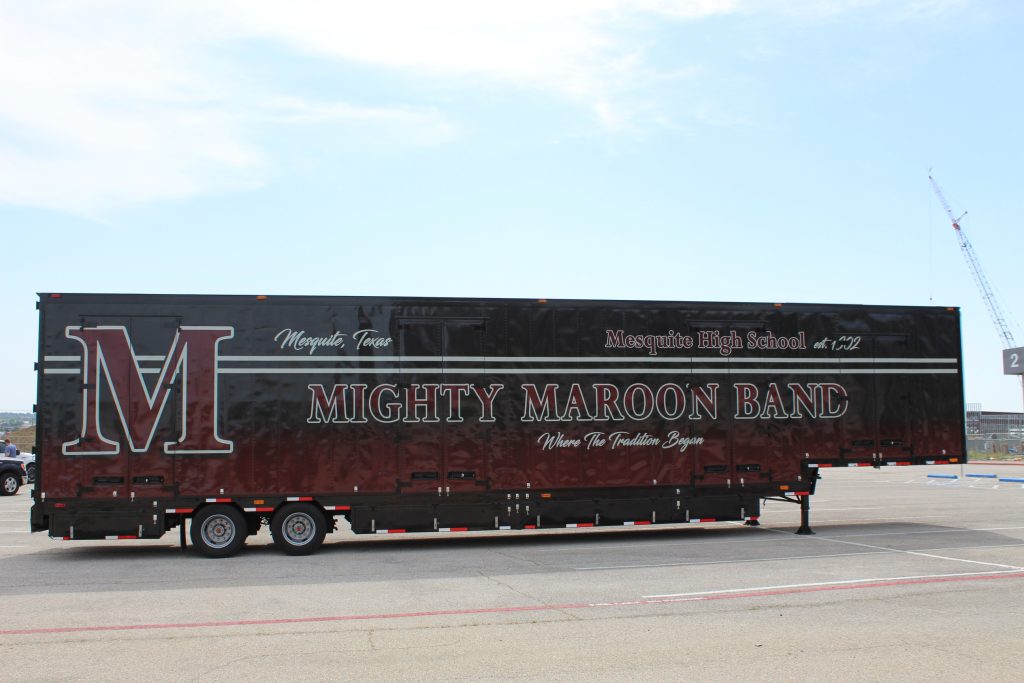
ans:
(113, 102)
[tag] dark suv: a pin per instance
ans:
(12, 476)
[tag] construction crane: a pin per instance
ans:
(989, 296)
(991, 302)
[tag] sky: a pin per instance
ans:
(685, 150)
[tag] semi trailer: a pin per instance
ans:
(399, 415)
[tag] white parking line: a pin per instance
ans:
(827, 539)
(881, 551)
(931, 531)
(733, 561)
(825, 583)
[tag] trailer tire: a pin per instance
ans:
(298, 528)
(219, 531)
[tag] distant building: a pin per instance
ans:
(990, 422)
(994, 432)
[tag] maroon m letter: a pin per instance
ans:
(108, 360)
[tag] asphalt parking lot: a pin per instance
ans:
(908, 577)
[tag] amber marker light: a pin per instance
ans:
(777, 305)
(261, 297)
(545, 495)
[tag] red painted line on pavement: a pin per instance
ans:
(506, 610)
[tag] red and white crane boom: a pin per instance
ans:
(991, 302)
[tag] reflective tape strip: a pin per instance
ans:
(639, 523)
(578, 526)
(218, 500)
(337, 507)
(801, 493)
(898, 463)
(824, 464)
(703, 519)
(299, 499)
(390, 531)
(812, 464)
(178, 511)
(258, 509)
(751, 518)
(454, 528)
(504, 527)
(529, 526)
(936, 462)
(120, 538)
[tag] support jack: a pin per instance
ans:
(805, 517)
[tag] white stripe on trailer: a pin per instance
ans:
(585, 371)
(547, 359)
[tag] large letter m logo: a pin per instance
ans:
(109, 362)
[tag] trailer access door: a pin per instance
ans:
(443, 451)
(894, 386)
(420, 444)
(465, 438)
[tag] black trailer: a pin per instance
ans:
(428, 414)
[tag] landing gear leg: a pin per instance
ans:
(805, 517)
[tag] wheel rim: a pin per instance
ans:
(298, 528)
(218, 531)
(10, 484)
